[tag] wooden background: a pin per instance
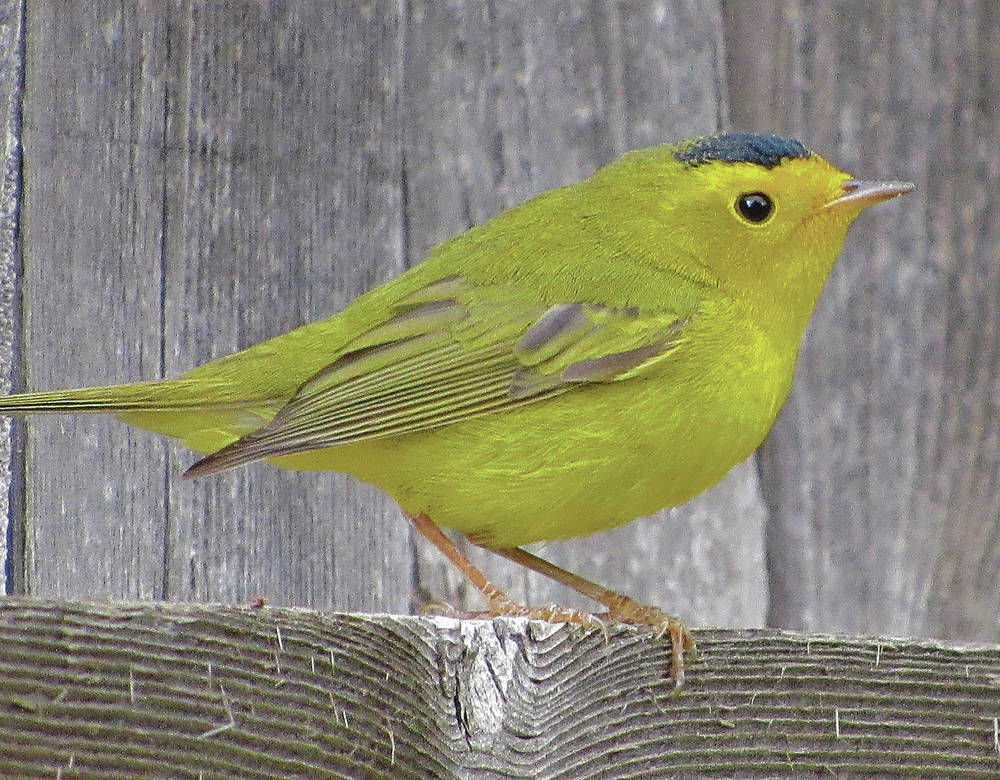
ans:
(183, 180)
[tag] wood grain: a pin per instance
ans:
(227, 180)
(296, 109)
(883, 472)
(11, 354)
(492, 119)
(185, 689)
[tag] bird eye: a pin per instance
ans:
(755, 206)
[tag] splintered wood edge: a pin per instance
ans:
(186, 688)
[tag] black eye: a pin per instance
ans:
(755, 206)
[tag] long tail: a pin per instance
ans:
(158, 396)
(206, 416)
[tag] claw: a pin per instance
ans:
(679, 638)
(439, 607)
(604, 629)
(625, 610)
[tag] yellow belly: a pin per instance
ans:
(571, 465)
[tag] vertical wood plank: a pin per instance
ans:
(11, 93)
(201, 177)
(92, 216)
(507, 100)
(288, 209)
(883, 471)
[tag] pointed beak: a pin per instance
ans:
(861, 194)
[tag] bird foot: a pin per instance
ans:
(441, 607)
(622, 609)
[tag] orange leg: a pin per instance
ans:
(499, 602)
(621, 608)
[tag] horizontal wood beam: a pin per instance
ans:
(186, 688)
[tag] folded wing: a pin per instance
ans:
(452, 351)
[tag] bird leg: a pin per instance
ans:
(621, 608)
(499, 602)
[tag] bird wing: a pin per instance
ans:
(450, 351)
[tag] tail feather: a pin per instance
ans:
(164, 395)
(203, 415)
(228, 457)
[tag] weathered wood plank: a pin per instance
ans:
(222, 691)
(293, 209)
(199, 179)
(92, 287)
(493, 118)
(883, 473)
(11, 91)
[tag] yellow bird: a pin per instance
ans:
(593, 355)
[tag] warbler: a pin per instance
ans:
(593, 355)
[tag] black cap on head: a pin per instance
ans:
(766, 150)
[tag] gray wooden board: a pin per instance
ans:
(199, 180)
(883, 471)
(493, 117)
(11, 87)
(294, 210)
(187, 690)
(93, 184)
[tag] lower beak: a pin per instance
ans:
(861, 194)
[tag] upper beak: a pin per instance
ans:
(861, 194)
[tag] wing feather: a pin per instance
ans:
(450, 352)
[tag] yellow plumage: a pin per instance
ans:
(652, 254)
